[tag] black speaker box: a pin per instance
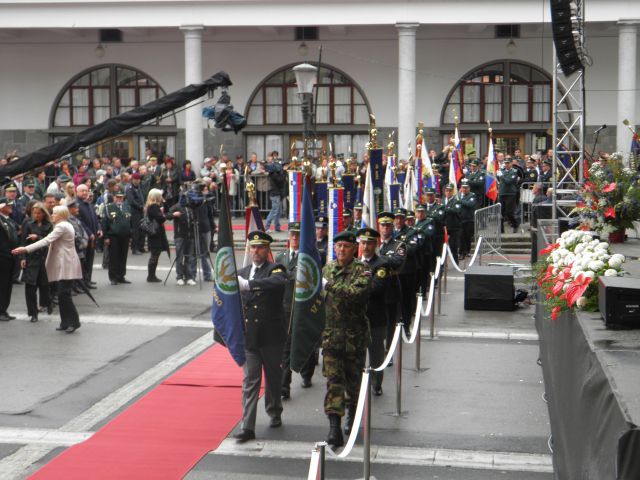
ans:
(489, 288)
(619, 301)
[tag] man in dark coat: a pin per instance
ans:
(262, 286)
(8, 241)
(508, 192)
(468, 203)
(116, 226)
(136, 204)
(407, 273)
(91, 223)
(452, 220)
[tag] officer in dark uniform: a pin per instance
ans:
(347, 221)
(409, 237)
(8, 241)
(435, 212)
(530, 175)
(29, 188)
(376, 308)
(452, 220)
(546, 175)
(468, 203)
(357, 214)
(508, 192)
(135, 200)
(395, 252)
(289, 258)
(262, 285)
(477, 182)
(322, 238)
(427, 229)
(116, 226)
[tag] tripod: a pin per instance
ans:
(193, 238)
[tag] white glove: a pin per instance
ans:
(324, 283)
(243, 284)
(499, 174)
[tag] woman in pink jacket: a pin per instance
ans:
(62, 264)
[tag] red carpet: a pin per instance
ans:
(165, 433)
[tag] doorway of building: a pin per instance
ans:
(507, 143)
(315, 148)
(121, 147)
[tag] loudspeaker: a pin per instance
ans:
(489, 288)
(563, 26)
(619, 301)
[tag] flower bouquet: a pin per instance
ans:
(611, 197)
(569, 269)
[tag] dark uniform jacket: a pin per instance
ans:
(409, 237)
(322, 246)
(290, 261)
(380, 279)
(509, 182)
(88, 217)
(428, 229)
(135, 199)
(8, 236)
(117, 221)
(452, 213)
(468, 203)
(395, 252)
(477, 184)
(546, 180)
(530, 177)
(264, 315)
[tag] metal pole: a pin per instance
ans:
(432, 320)
(321, 447)
(399, 375)
(439, 291)
(446, 267)
(416, 324)
(367, 432)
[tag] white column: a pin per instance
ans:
(193, 74)
(627, 47)
(406, 87)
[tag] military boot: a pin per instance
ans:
(351, 416)
(335, 433)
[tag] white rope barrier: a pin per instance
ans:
(392, 349)
(432, 290)
(362, 396)
(417, 319)
(471, 262)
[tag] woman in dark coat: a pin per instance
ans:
(158, 242)
(34, 273)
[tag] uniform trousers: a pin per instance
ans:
(509, 210)
(408, 307)
(137, 237)
(31, 293)
(6, 283)
(118, 251)
(68, 314)
(466, 238)
(392, 320)
(377, 352)
(87, 265)
(454, 243)
(343, 371)
(261, 359)
(307, 369)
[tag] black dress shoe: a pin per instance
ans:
(61, 329)
(377, 391)
(90, 286)
(244, 436)
(72, 329)
(286, 394)
(113, 282)
(275, 422)
(136, 253)
(123, 280)
(4, 318)
(33, 319)
(306, 383)
(50, 308)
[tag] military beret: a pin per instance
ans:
(368, 235)
(420, 208)
(400, 212)
(431, 191)
(358, 206)
(321, 222)
(464, 182)
(385, 218)
(411, 214)
(345, 236)
(5, 202)
(136, 176)
(64, 178)
(259, 238)
(294, 226)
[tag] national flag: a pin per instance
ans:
(226, 312)
(457, 158)
(369, 209)
(322, 197)
(307, 313)
(490, 183)
(349, 185)
(388, 180)
(336, 219)
(418, 173)
(427, 167)
(295, 195)
(409, 189)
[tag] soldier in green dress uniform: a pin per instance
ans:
(116, 226)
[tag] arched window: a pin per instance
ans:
(101, 92)
(504, 92)
(339, 100)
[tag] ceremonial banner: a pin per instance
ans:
(427, 168)
(349, 185)
(418, 174)
(409, 190)
(401, 177)
(369, 209)
(455, 169)
(490, 183)
(295, 195)
(336, 220)
(394, 196)
(388, 180)
(226, 312)
(307, 313)
(322, 197)
(377, 175)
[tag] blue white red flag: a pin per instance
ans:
(295, 195)
(427, 167)
(490, 183)
(336, 219)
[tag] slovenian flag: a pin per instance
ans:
(455, 169)
(295, 195)
(336, 219)
(490, 183)
(226, 311)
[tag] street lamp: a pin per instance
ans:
(305, 79)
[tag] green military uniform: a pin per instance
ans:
(453, 222)
(508, 192)
(428, 232)
(477, 183)
(116, 226)
(435, 212)
(468, 203)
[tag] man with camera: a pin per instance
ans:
(277, 188)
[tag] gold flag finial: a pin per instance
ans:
(373, 133)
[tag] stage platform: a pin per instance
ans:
(592, 384)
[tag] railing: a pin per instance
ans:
(488, 225)
(363, 409)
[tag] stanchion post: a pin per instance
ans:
(446, 268)
(321, 447)
(399, 374)
(432, 319)
(416, 324)
(439, 292)
(367, 431)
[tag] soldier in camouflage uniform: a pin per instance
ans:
(346, 282)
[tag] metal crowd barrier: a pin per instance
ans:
(488, 224)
